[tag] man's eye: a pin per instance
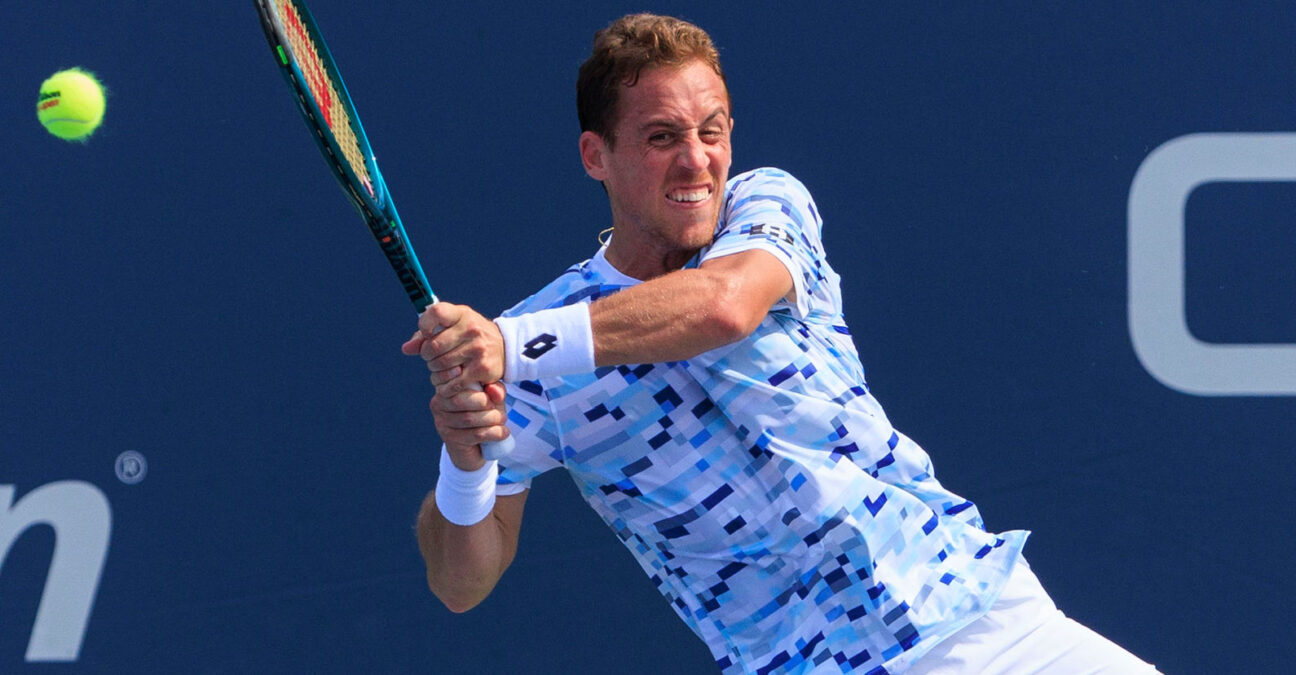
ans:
(661, 138)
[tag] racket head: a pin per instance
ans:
(325, 104)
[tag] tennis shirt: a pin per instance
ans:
(760, 485)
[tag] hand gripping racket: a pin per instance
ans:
(326, 106)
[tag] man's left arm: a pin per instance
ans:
(685, 313)
(673, 317)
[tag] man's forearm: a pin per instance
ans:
(671, 318)
(464, 562)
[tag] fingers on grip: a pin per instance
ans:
(494, 449)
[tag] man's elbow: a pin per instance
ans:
(726, 327)
(459, 607)
(457, 604)
(731, 316)
(457, 598)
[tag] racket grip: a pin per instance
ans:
(495, 449)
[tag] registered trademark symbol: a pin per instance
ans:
(131, 467)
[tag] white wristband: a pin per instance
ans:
(465, 497)
(548, 343)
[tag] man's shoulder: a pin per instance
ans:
(579, 283)
(764, 178)
(754, 196)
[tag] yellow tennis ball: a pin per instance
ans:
(71, 104)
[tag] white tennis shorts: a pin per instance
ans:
(1024, 632)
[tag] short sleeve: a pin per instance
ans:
(770, 210)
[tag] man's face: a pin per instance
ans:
(666, 172)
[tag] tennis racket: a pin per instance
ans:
(322, 98)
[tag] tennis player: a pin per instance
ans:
(697, 380)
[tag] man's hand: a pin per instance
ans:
(467, 419)
(461, 347)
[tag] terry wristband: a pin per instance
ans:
(547, 343)
(465, 497)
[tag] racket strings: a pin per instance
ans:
(323, 89)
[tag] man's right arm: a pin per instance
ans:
(467, 553)
(465, 562)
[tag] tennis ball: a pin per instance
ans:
(71, 104)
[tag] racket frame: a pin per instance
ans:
(371, 199)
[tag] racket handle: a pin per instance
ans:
(495, 449)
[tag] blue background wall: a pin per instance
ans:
(192, 286)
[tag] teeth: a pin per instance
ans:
(690, 195)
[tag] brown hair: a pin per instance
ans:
(622, 51)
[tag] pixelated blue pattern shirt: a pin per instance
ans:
(760, 485)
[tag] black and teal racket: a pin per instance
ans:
(322, 98)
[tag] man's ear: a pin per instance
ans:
(592, 152)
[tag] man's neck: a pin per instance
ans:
(643, 262)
